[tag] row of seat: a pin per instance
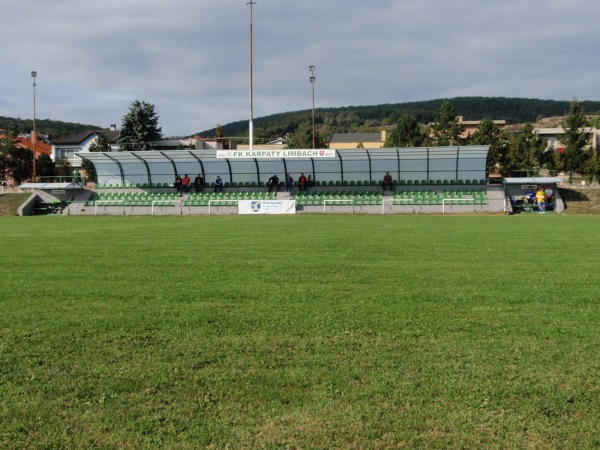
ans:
(362, 200)
(225, 198)
(407, 193)
(247, 195)
(128, 198)
(446, 194)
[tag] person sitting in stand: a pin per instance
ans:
(309, 182)
(302, 182)
(529, 197)
(185, 184)
(178, 183)
(549, 195)
(273, 183)
(199, 183)
(388, 183)
(218, 184)
(289, 182)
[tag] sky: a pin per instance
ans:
(191, 58)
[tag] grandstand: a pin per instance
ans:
(426, 180)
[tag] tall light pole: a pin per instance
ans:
(312, 82)
(251, 124)
(34, 136)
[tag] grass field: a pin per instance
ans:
(300, 332)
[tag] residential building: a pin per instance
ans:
(471, 126)
(340, 141)
(553, 137)
(275, 144)
(80, 143)
(67, 147)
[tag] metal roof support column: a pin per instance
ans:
(145, 164)
(257, 172)
(312, 162)
(457, 157)
(341, 166)
(118, 165)
(230, 172)
(428, 165)
(370, 169)
(201, 165)
(172, 163)
(399, 169)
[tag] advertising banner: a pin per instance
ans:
(266, 207)
(282, 153)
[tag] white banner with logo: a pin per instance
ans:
(283, 153)
(266, 207)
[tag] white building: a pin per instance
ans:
(553, 137)
(80, 143)
(67, 147)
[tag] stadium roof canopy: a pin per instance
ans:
(46, 186)
(404, 164)
(533, 180)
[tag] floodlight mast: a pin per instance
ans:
(312, 82)
(34, 136)
(251, 123)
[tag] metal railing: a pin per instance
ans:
(393, 201)
(336, 201)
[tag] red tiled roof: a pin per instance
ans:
(40, 147)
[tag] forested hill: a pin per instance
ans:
(368, 118)
(53, 128)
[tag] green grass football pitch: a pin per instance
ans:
(300, 332)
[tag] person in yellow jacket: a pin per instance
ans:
(540, 198)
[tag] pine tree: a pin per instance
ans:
(302, 137)
(139, 127)
(408, 133)
(527, 151)
(489, 133)
(576, 140)
(446, 129)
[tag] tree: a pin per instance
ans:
(139, 127)
(446, 129)
(489, 133)
(100, 144)
(303, 137)
(408, 133)
(45, 166)
(7, 148)
(592, 166)
(576, 139)
(15, 162)
(63, 168)
(527, 151)
(21, 166)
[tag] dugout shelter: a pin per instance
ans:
(516, 189)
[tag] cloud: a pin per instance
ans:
(191, 58)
